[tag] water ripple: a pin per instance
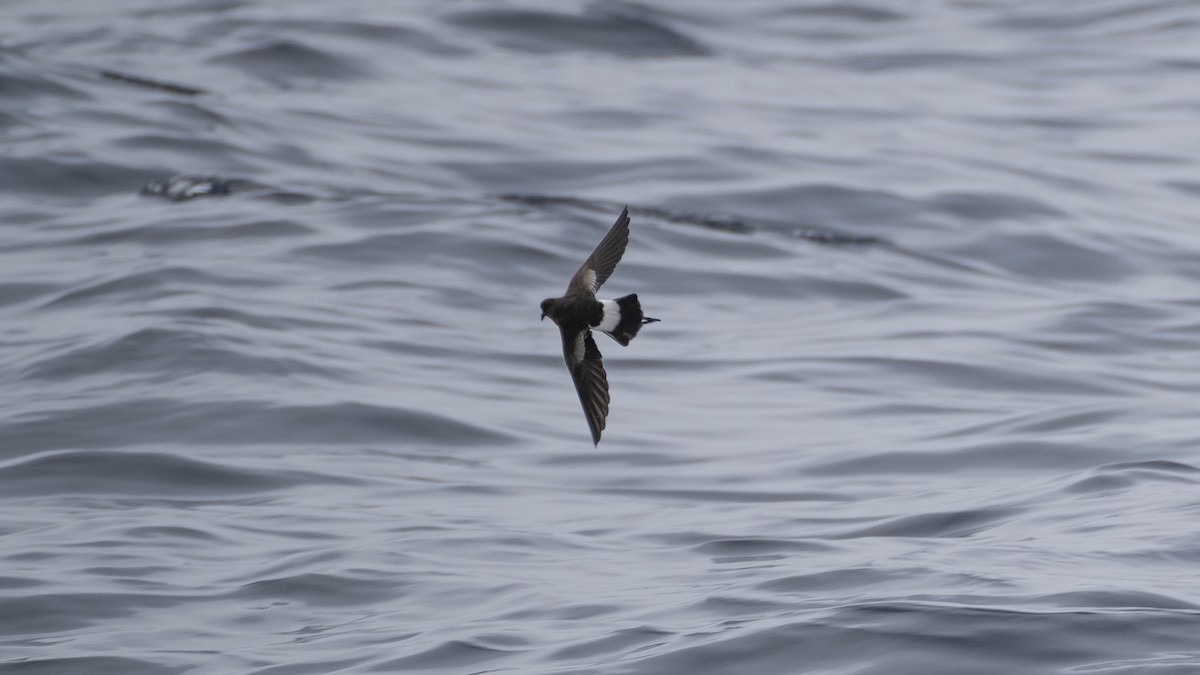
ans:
(132, 473)
(619, 35)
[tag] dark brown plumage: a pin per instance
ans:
(579, 311)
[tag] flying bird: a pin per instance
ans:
(579, 311)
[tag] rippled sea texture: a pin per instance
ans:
(276, 398)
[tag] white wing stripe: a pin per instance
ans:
(580, 349)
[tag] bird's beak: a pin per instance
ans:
(543, 317)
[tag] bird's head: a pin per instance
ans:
(547, 305)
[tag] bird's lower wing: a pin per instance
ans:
(591, 382)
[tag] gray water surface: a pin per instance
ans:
(276, 400)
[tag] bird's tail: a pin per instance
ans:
(631, 320)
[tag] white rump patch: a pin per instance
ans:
(612, 316)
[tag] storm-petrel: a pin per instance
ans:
(579, 311)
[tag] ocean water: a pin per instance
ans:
(275, 399)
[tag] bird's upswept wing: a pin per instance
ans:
(601, 263)
(587, 371)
